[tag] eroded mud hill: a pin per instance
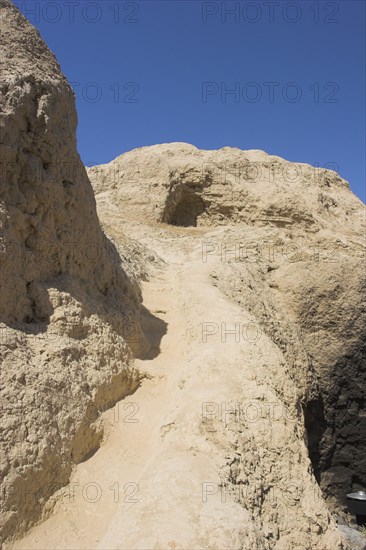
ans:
(292, 253)
(245, 359)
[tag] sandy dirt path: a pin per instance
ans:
(146, 487)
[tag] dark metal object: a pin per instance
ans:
(357, 505)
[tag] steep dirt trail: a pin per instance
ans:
(107, 492)
(154, 483)
(109, 480)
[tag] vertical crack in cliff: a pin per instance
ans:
(315, 424)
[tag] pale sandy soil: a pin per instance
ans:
(138, 466)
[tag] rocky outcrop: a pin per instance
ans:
(292, 253)
(310, 303)
(181, 185)
(69, 307)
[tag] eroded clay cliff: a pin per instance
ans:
(69, 304)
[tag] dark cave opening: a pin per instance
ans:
(183, 208)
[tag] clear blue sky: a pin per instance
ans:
(157, 71)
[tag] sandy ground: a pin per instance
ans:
(105, 504)
(144, 487)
